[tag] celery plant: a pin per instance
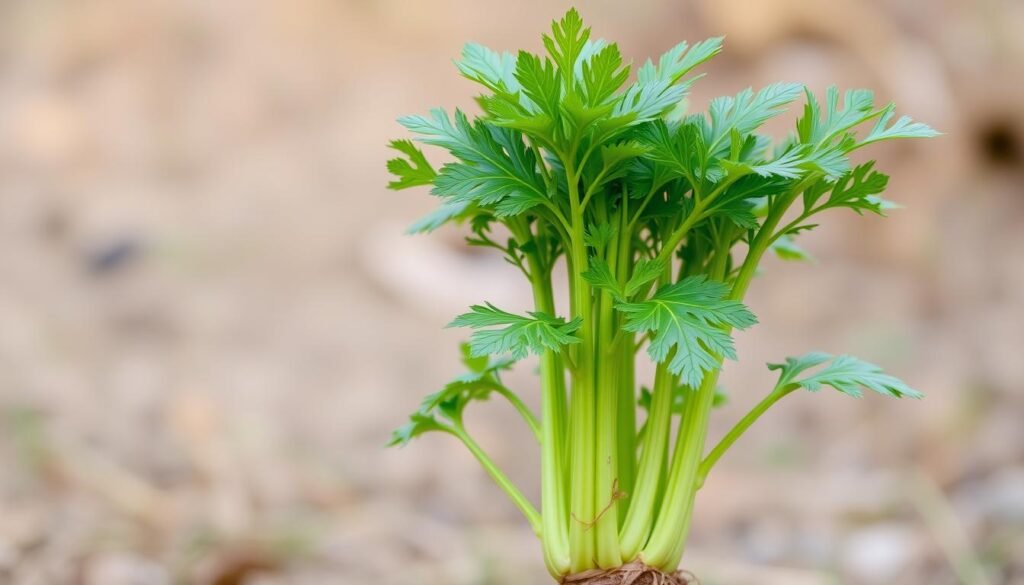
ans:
(659, 220)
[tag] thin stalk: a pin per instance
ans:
(592, 189)
(545, 174)
(643, 205)
(737, 431)
(622, 350)
(626, 425)
(520, 406)
(765, 236)
(500, 478)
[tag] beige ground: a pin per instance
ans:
(210, 320)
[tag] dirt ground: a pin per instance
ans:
(210, 318)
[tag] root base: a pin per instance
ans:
(635, 573)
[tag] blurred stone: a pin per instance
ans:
(767, 539)
(124, 569)
(112, 255)
(8, 557)
(880, 553)
(999, 498)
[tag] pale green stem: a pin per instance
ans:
(593, 188)
(521, 408)
(606, 520)
(622, 349)
(554, 536)
(582, 429)
(669, 534)
(640, 515)
(737, 431)
(500, 478)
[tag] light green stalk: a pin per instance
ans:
(554, 535)
(737, 431)
(582, 408)
(637, 526)
(606, 521)
(625, 357)
(500, 478)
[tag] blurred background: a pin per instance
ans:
(210, 318)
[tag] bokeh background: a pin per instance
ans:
(210, 318)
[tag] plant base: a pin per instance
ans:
(635, 573)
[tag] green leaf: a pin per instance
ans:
(721, 397)
(597, 236)
(600, 275)
(832, 161)
(857, 190)
(692, 316)
(473, 385)
(817, 128)
(540, 81)
(747, 111)
(902, 128)
(496, 168)
(603, 75)
(679, 393)
(657, 90)
(477, 383)
(647, 175)
(796, 366)
(615, 155)
(496, 71)
(615, 161)
(518, 335)
(413, 171)
(739, 211)
(845, 373)
(418, 424)
(646, 100)
(786, 249)
(790, 165)
(680, 148)
(677, 61)
(479, 366)
(447, 211)
(438, 130)
(738, 201)
(567, 40)
(518, 113)
(644, 272)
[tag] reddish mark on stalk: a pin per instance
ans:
(617, 495)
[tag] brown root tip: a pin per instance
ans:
(635, 573)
